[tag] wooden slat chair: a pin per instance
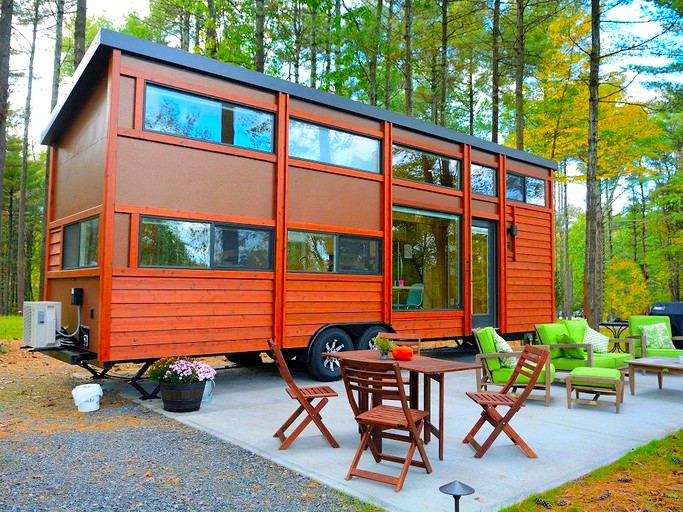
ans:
(305, 396)
(493, 373)
(370, 383)
(531, 361)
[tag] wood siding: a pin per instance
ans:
(314, 300)
(529, 268)
(167, 313)
(54, 250)
(431, 324)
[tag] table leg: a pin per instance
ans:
(427, 407)
(632, 380)
(660, 375)
(440, 379)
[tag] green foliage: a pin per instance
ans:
(626, 291)
(11, 327)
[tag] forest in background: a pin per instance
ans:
(594, 85)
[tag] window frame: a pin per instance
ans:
(380, 166)
(80, 224)
(525, 198)
(212, 235)
(458, 177)
(223, 102)
(336, 238)
(459, 249)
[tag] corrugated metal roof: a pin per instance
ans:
(96, 59)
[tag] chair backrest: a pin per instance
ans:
(550, 334)
(407, 339)
(415, 295)
(372, 382)
(487, 345)
(282, 367)
(636, 322)
(530, 364)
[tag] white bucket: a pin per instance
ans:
(208, 390)
(87, 397)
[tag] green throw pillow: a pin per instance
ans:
(599, 341)
(657, 336)
(504, 346)
(575, 352)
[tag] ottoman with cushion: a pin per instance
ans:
(595, 381)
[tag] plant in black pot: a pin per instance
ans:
(181, 382)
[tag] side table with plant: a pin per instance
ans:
(181, 382)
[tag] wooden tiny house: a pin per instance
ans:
(204, 208)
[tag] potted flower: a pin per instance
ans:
(181, 382)
(384, 345)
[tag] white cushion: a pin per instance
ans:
(599, 341)
(657, 336)
(504, 346)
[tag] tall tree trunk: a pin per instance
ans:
(388, 63)
(297, 25)
(374, 53)
(185, 30)
(314, 47)
(211, 34)
(434, 86)
(470, 90)
(328, 51)
(56, 73)
(21, 236)
(519, 75)
(260, 19)
(408, 65)
(495, 71)
(443, 86)
(594, 236)
(5, 44)
(338, 81)
(642, 218)
(79, 31)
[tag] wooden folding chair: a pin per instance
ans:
(370, 382)
(530, 364)
(305, 396)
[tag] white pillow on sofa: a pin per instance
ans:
(657, 336)
(599, 341)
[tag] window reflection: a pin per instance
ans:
(525, 188)
(174, 243)
(196, 117)
(321, 144)
(514, 184)
(417, 165)
(426, 259)
(236, 247)
(483, 180)
(81, 243)
(326, 252)
(535, 191)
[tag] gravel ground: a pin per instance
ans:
(127, 458)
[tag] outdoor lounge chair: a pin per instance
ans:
(305, 396)
(567, 350)
(530, 364)
(493, 373)
(636, 324)
(369, 383)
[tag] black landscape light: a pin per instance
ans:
(456, 489)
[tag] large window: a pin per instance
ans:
(195, 117)
(417, 165)
(483, 180)
(80, 243)
(191, 244)
(327, 252)
(525, 188)
(321, 144)
(426, 260)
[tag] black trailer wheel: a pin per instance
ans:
(366, 342)
(327, 369)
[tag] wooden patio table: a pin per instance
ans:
(432, 369)
(660, 365)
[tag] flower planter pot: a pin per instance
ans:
(182, 397)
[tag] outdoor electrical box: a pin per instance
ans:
(41, 321)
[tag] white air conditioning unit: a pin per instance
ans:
(41, 321)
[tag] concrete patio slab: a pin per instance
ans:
(249, 404)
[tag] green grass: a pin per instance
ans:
(659, 460)
(11, 327)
